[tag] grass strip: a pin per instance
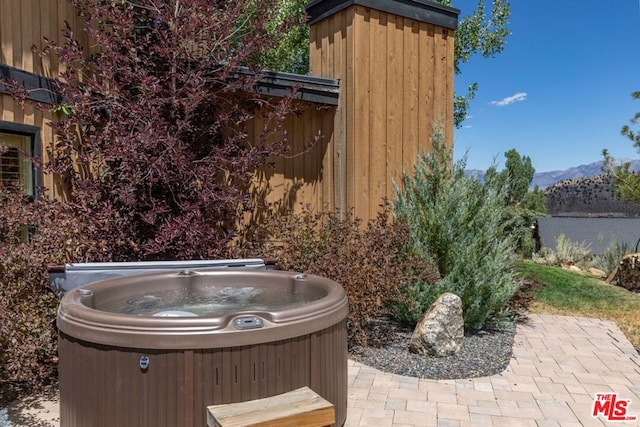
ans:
(563, 292)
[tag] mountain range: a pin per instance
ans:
(547, 179)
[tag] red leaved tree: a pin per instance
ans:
(154, 146)
(151, 149)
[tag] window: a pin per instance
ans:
(17, 144)
(15, 167)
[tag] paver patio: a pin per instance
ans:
(558, 365)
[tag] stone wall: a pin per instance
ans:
(590, 196)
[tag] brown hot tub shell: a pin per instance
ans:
(193, 362)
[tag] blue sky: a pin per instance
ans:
(561, 89)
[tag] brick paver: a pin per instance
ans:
(558, 364)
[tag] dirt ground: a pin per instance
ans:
(40, 411)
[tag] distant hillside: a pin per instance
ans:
(547, 179)
(588, 196)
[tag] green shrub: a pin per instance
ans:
(566, 253)
(527, 246)
(520, 221)
(371, 262)
(523, 206)
(608, 261)
(579, 254)
(461, 224)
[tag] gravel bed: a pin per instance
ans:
(483, 353)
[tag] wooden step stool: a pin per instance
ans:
(297, 408)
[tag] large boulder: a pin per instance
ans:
(441, 330)
(597, 273)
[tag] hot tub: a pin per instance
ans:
(155, 350)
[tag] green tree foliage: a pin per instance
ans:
(291, 50)
(626, 184)
(535, 200)
(626, 129)
(461, 224)
(523, 206)
(479, 32)
(516, 177)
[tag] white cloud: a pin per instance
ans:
(520, 96)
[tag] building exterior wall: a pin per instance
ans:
(23, 26)
(396, 85)
(301, 178)
(396, 78)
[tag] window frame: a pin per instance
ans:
(34, 135)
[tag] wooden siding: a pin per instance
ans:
(304, 176)
(397, 86)
(23, 24)
(11, 112)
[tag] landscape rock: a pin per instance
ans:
(596, 272)
(572, 268)
(575, 269)
(441, 330)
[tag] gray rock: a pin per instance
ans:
(441, 330)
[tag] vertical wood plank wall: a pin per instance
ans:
(23, 24)
(396, 79)
(397, 84)
(304, 175)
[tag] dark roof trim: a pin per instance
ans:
(420, 10)
(311, 89)
(40, 89)
(318, 90)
